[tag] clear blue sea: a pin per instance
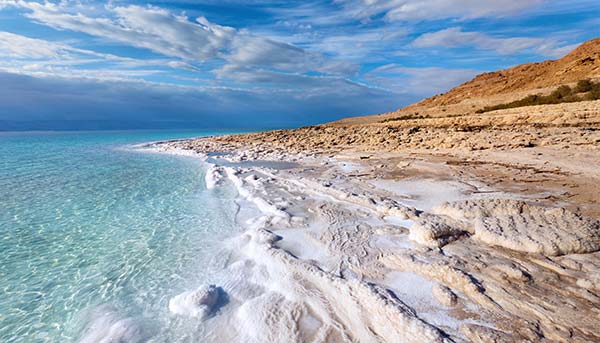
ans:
(93, 233)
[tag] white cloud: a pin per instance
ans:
(360, 46)
(148, 27)
(32, 56)
(248, 60)
(455, 37)
(419, 81)
(177, 36)
(285, 81)
(45, 59)
(265, 52)
(411, 10)
(304, 57)
(15, 46)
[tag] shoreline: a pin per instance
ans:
(406, 246)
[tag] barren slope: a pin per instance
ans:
(581, 63)
(501, 86)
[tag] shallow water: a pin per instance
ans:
(95, 236)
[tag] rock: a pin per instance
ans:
(433, 233)
(482, 334)
(199, 303)
(591, 283)
(510, 271)
(519, 226)
(444, 295)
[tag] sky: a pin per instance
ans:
(263, 63)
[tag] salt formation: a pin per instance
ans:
(482, 334)
(447, 275)
(444, 295)
(199, 303)
(213, 176)
(263, 205)
(433, 233)
(469, 257)
(166, 147)
(296, 300)
(519, 226)
(344, 310)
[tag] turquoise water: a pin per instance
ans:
(93, 233)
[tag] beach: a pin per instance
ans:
(365, 243)
(346, 171)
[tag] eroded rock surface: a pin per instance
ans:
(317, 263)
(519, 226)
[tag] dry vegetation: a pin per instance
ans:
(585, 90)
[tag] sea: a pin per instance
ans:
(97, 235)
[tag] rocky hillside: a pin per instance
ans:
(490, 89)
(581, 63)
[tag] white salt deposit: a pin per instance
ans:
(520, 226)
(423, 194)
(314, 261)
(392, 242)
(213, 176)
(167, 149)
(199, 303)
(263, 205)
(300, 301)
(398, 221)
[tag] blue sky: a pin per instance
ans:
(265, 63)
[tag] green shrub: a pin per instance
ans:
(583, 86)
(559, 95)
(595, 91)
(562, 92)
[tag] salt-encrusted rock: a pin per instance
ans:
(444, 295)
(520, 226)
(433, 233)
(510, 271)
(444, 274)
(591, 282)
(213, 176)
(482, 334)
(199, 303)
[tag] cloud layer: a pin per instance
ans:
(280, 63)
(454, 37)
(413, 10)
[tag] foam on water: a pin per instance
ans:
(106, 326)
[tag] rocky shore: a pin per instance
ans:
(444, 221)
(421, 231)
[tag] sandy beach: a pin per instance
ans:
(352, 243)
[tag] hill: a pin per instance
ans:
(581, 63)
(493, 88)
